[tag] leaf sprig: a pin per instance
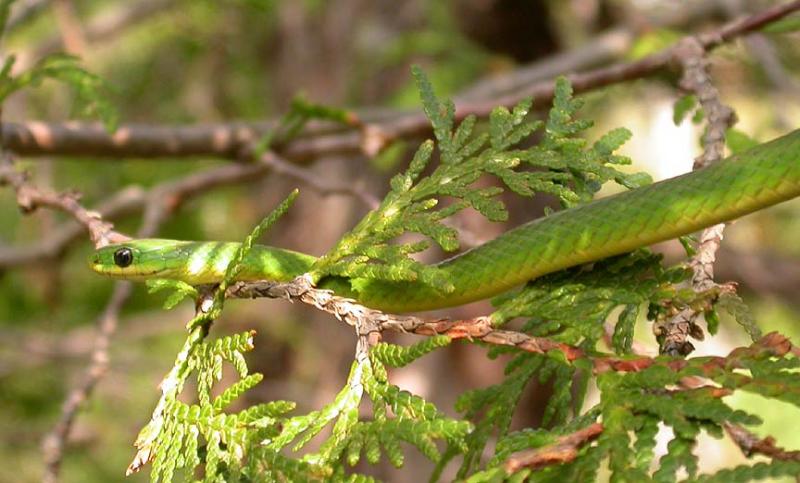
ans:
(397, 417)
(562, 164)
(571, 306)
(91, 91)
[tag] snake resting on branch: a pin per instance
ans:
(741, 184)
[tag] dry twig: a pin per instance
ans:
(368, 321)
(29, 198)
(750, 444)
(55, 441)
(691, 55)
(564, 450)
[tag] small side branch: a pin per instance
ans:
(29, 198)
(750, 444)
(55, 441)
(282, 166)
(564, 450)
(690, 53)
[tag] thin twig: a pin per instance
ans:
(691, 55)
(751, 444)
(103, 27)
(70, 29)
(165, 198)
(55, 441)
(279, 165)
(30, 197)
(564, 450)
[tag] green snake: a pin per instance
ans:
(743, 183)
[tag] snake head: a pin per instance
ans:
(138, 259)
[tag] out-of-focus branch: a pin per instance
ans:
(72, 35)
(751, 444)
(763, 51)
(55, 441)
(606, 47)
(132, 140)
(23, 11)
(231, 140)
(763, 272)
(322, 186)
(165, 198)
(53, 246)
(29, 198)
(107, 24)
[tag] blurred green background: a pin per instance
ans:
(191, 61)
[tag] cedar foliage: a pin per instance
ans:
(204, 440)
(266, 442)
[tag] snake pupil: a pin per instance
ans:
(123, 257)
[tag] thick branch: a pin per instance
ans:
(369, 321)
(691, 54)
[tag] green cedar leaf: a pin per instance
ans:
(738, 141)
(683, 107)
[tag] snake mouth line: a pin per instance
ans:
(104, 270)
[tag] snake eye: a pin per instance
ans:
(123, 257)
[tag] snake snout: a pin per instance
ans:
(94, 262)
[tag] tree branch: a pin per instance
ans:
(368, 321)
(232, 140)
(55, 441)
(564, 450)
(690, 53)
(750, 444)
(29, 198)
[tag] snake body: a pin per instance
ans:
(743, 183)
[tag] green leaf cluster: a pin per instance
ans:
(92, 97)
(562, 164)
(634, 408)
(573, 305)
(493, 407)
(91, 91)
(398, 417)
(371, 420)
(187, 436)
